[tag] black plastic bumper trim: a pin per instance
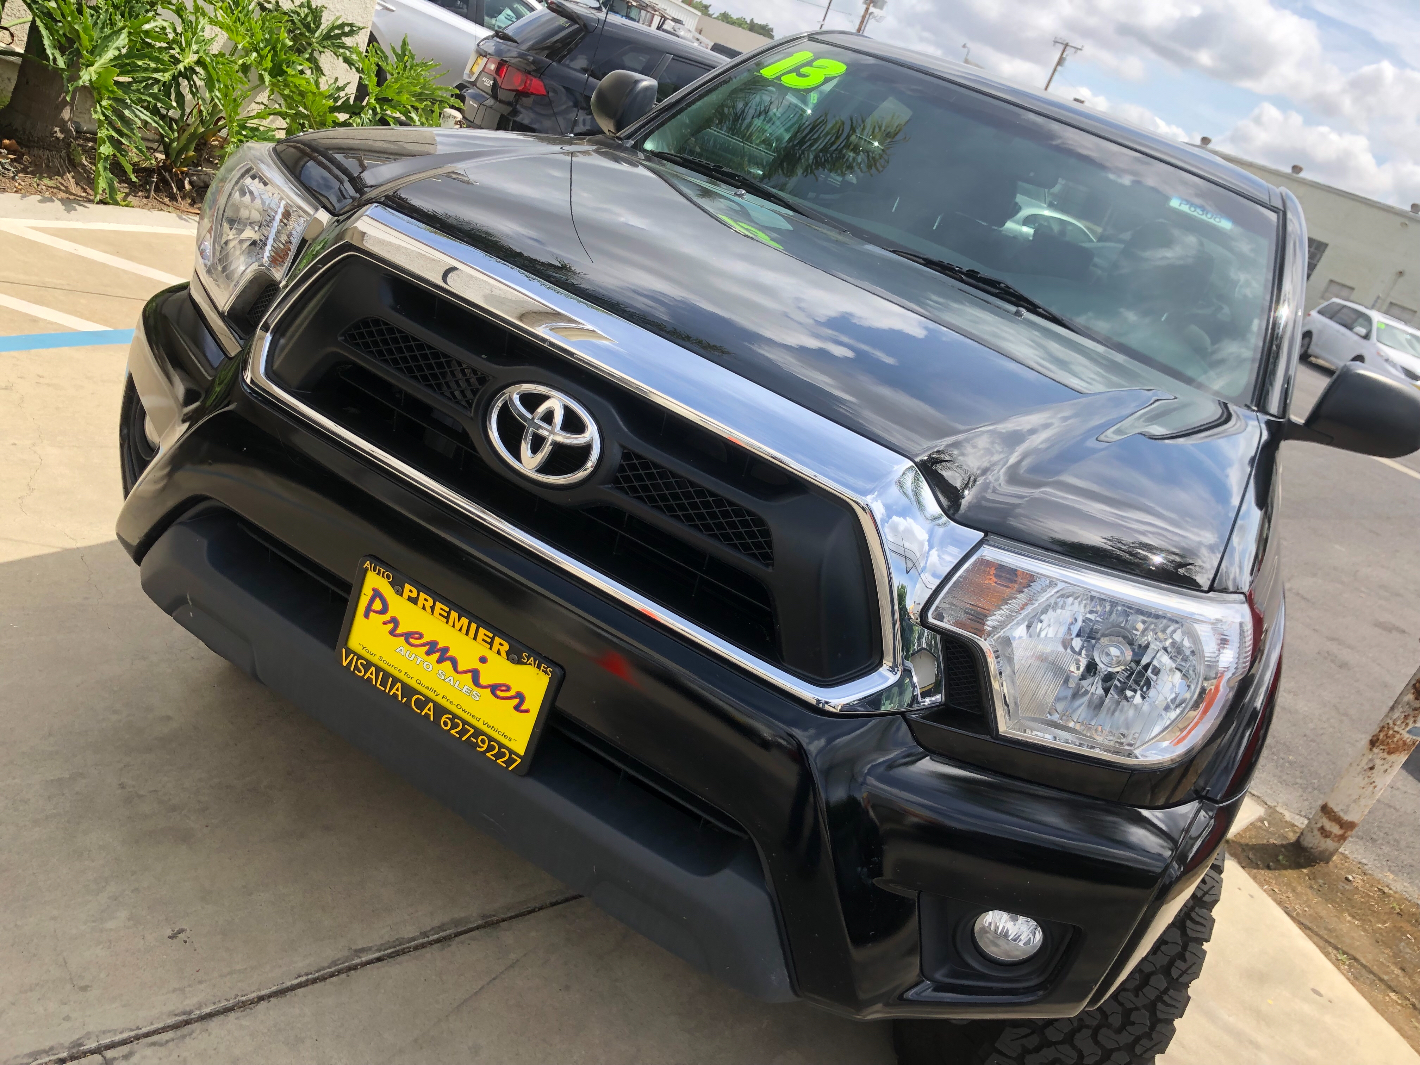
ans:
(620, 848)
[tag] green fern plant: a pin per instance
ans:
(178, 83)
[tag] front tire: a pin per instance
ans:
(1131, 1027)
(135, 449)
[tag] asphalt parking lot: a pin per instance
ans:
(194, 870)
(1352, 560)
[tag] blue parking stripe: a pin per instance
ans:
(77, 338)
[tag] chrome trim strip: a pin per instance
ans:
(911, 543)
(228, 340)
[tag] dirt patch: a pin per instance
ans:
(1366, 926)
(151, 189)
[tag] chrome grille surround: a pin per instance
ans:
(913, 546)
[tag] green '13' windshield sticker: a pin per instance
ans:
(811, 73)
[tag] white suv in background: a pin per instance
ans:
(444, 30)
(1338, 332)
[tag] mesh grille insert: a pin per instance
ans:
(689, 503)
(962, 674)
(422, 363)
(262, 304)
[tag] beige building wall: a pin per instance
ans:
(1372, 253)
(717, 32)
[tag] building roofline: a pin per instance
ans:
(1238, 160)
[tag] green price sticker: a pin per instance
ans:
(811, 72)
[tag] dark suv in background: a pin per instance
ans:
(538, 75)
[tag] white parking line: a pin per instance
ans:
(21, 229)
(58, 317)
(108, 227)
(1398, 466)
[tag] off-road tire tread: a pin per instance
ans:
(1135, 1024)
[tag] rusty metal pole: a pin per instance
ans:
(1366, 777)
(867, 13)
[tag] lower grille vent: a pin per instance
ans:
(692, 505)
(963, 676)
(422, 363)
(259, 306)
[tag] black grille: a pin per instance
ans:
(962, 674)
(422, 363)
(737, 545)
(670, 570)
(698, 507)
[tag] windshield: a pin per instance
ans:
(1165, 267)
(1392, 336)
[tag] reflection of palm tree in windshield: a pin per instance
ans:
(773, 137)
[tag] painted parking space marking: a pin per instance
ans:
(1398, 466)
(107, 227)
(35, 310)
(78, 338)
(28, 232)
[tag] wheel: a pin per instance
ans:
(136, 446)
(1306, 352)
(1131, 1027)
(1358, 358)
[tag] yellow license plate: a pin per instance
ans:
(475, 683)
(476, 66)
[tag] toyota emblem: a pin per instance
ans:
(544, 434)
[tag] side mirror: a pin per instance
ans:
(621, 98)
(1361, 410)
(1360, 330)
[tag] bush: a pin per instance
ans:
(181, 83)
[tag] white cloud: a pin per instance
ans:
(1334, 157)
(1128, 112)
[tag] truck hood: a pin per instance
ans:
(1025, 430)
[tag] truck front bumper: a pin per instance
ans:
(789, 852)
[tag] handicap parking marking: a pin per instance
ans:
(77, 338)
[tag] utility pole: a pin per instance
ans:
(825, 14)
(870, 8)
(1065, 48)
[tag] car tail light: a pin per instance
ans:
(515, 80)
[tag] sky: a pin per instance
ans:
(1331, 85)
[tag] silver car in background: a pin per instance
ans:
(1338, 332)
(444, 30)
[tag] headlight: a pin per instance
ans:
(250, 227)
(1099, 664)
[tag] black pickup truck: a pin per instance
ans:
(827, 519)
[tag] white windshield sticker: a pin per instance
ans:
(1197, 210)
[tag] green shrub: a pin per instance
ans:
(180, 83)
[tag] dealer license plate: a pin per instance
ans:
(439, 662)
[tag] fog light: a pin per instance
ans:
(1007, 937)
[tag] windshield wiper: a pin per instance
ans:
(994, 286)
(729, 176)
